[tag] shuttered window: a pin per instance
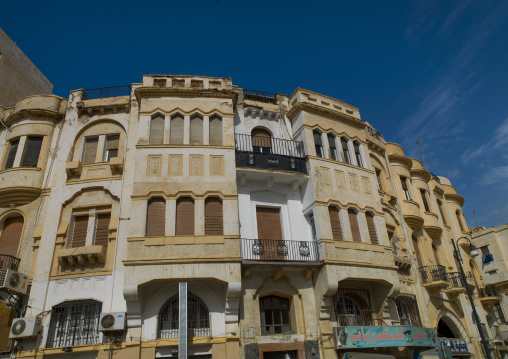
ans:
(345, 150)
(372, 228)
(358, 154)
(335, 223)
(215, 125)
(332, 146)
(196, 130)
(157, 130)
(317, 143)
(269, 224)
(176, 130)
(11, 235)
(185, 216)
(101, 234)
(111, 146)
(90, 149)
(355, 227)
(214, 222)
(156, 217)
(33, 149)
(261, 141)
(12, 154)
(78, 230)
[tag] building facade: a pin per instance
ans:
(213, 221)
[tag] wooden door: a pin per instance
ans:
(11, 235)
(270, 232)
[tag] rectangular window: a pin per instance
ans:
(32, 152)
(90, 149)
(424, 200)
(345, 150)
(407, 308)
(358, 154)
(378, 176)
(440, 206)
(78, 231)
(498, 313)
(403, 181)
(12, 154)
(111, 146)
(101, 233)
(312, 226)
(81, 224)
(332, 147)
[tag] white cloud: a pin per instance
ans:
(494, 175)
(498, 143)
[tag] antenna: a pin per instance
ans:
(418, 143)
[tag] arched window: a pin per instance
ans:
(440, 206)
(358, 154)
(459, 219)
(318, 144)
(157, 130)
(11, 236)
(275, 315)
(176, 130)
(185, 216)
(332, 146)
(355, 226)
(345, 149)
(74, 323)
(198, 319)
(372, 228)
(353, 307)
(261, 141)
(215, 125)
(196, 130)
(156, 217)
(335, 223)
(214, 223)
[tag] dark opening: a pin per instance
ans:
(293, 354)
(444, 331)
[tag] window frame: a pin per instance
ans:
(9, 151)
(83, 150)
(332, 150)
(358, 153)
(405, 188)
(105, 154)
(25, 149)
(284, 315)
(346, 153)
(426, 203)
(318, 146)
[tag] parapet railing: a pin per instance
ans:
(104, 92)
(259, 96)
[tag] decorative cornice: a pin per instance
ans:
(155, 91)
(188, 112)
(402, 158)
(318, 110)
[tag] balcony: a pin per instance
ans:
(434, 276)
(431, 225)
(105, 100)
(457, 284)
(9, 262)
(412, 215)
(104, 92)
(488, 296)
(271, 250)
(258, 96)
(269, 153)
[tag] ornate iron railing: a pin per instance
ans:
(487, 291)
(455, 279)
(433, 273)
(353, 308)
(104, 92)
(279, 250)
(8, 262)
(260, 96)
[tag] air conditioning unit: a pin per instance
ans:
(25, 328)
(13, 281)
(112, 322)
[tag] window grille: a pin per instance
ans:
(407, 307)
(275, 317)
(352, 307)
(498, 313)
(74, 323)
(198, 322)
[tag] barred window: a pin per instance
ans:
(353, 307)
(498, 313)
(198, 322)
(275, 318)
(407, 307)
(74, 323)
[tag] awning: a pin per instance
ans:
(353, 355)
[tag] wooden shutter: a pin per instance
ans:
(156, 217)
(11, 235)
(196, 130)
(12, 154)
(78, 231)
(33, 149)
(355, 228)
(90, 150)
(335, 223)
(269, 224)
(176, 130)
(214, 222)
(345, 150)
(261, 138)
(332, 146)
(215, 131)
(372, 228)
(157, 130)
(102, 229)
(185, 216)
(112, 142)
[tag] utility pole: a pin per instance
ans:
(418, 143)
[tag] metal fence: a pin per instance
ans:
(104, 92)
(8, 262)
(487, 291)
(259, 96)
(433, 273)
(279, 250)
(269, 145)
(455, 279)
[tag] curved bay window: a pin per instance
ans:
(198, 321)
(275, 316)
(353, 307)
(74, 323)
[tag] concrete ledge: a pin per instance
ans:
(82, 255)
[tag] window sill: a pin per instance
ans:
(20, 168)
(75, 168)
(340, 163)
(182, 240)
(82, 255)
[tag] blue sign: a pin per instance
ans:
(455, 345)
(384, 336)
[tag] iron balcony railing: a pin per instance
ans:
(104, 92)
(433, 273)
(279, 250)
(191, 333)
(9, 262)
(259, 96)
(269, 153)
(455, 280)
(487, 291)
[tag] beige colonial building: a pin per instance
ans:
(185, 216)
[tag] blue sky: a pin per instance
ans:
(429, 70)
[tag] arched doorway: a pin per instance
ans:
(444, 330)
